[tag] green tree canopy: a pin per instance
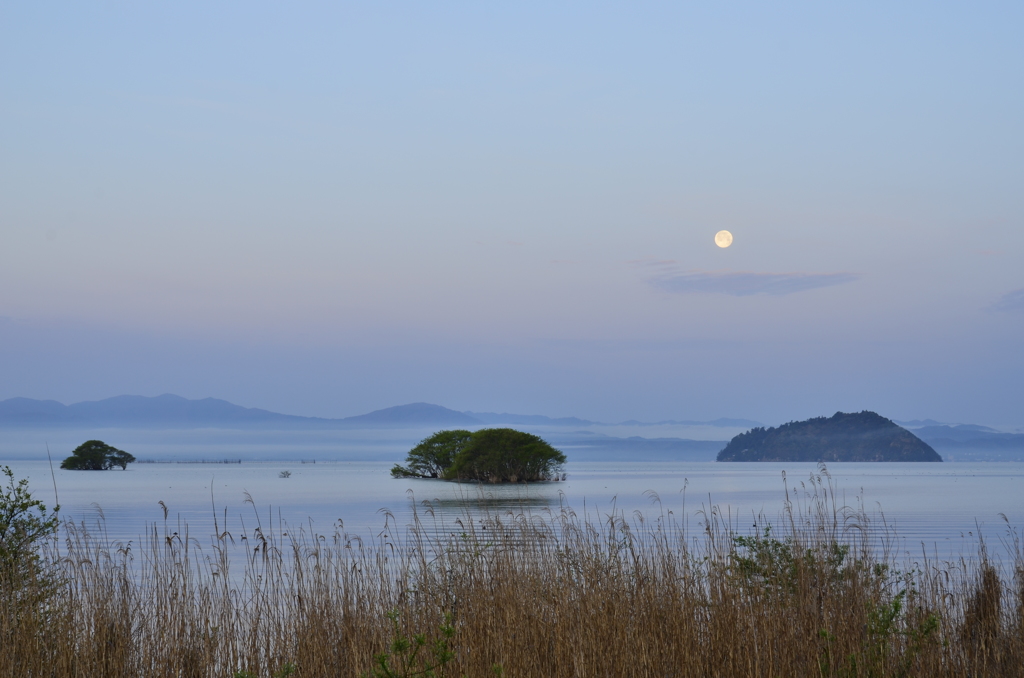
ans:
(24, 523)
(494, 455)
(27, 580)
(96, 455)
(505, 455)
(434, 455)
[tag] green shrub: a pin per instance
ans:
(406, 656)
(24, 524)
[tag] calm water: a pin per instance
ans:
(942, 505)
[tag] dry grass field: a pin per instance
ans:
(819, 591)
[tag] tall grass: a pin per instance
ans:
(819, 592)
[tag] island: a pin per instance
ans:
(96, 455)
(862, 436)
(490, 455)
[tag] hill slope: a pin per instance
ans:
(171, 411)
(864, 436)
(137, 411)
(414, 414)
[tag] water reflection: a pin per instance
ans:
(491, 503)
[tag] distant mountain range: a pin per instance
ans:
(969, 436)
(918, 423)
(960, 441)
(171, 411)
(168, 411)
(968, 442)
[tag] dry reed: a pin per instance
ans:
(818, 593)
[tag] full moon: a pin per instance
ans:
(723, 238)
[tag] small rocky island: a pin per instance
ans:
(864, 436)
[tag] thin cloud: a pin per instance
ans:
(1011, 301)
(745, 284)
(651, 262)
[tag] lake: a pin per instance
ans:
(941, 505)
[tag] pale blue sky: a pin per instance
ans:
(327, 209)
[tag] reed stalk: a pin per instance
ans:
(821, 591)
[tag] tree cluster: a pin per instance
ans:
(491, 455)
(96, 455)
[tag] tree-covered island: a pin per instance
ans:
(490, 455)
(96, 455)
(862, 436)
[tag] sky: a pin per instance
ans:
(326, 209)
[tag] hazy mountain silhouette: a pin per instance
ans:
(722, 422)
(590, 446)
(529, 419)
(864, 436)
(171, 411)
(415, 413)
(168, 412)
(141, 412)
(969, 442)
(919, 423)
(969, 436)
